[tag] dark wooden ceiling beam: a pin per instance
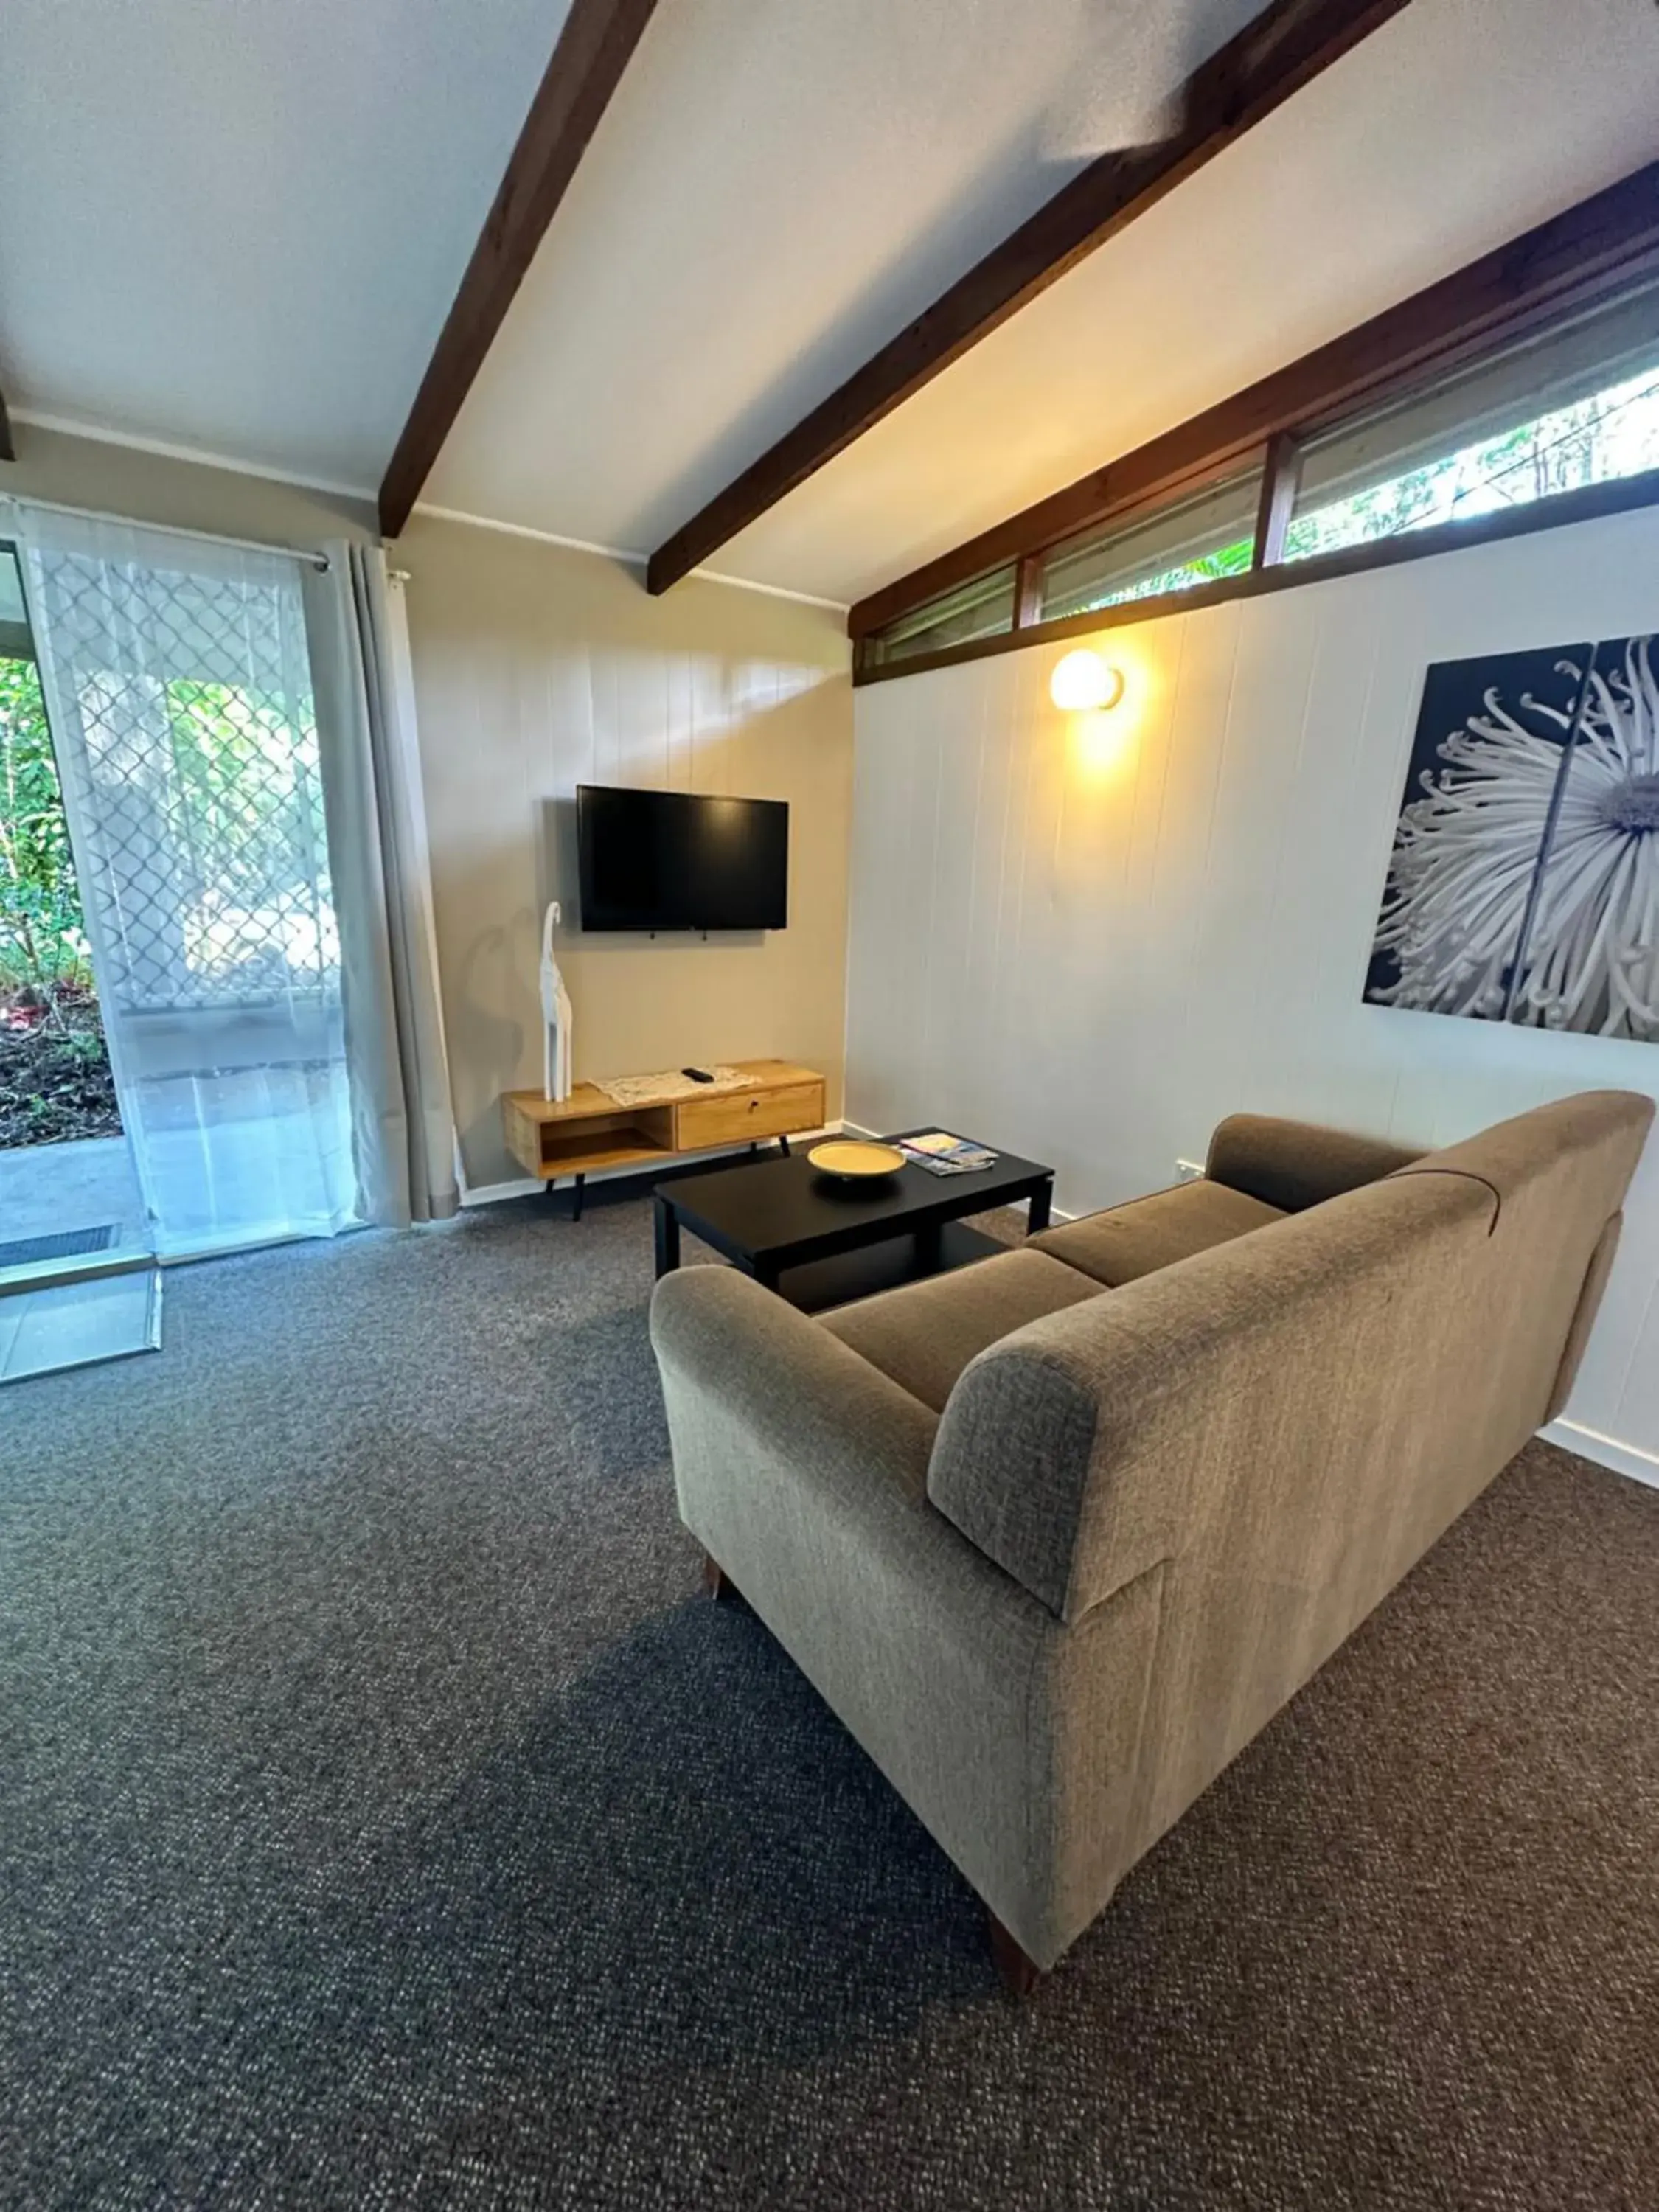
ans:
(1571, 261)
(594, 49)
(1289, 43)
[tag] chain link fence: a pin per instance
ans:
(202, 829)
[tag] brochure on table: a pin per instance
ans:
(945, 1155)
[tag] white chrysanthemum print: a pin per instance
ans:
(1508, 900)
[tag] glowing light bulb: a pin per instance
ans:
(1083, 683)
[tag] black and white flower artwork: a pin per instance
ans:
(1524, 881)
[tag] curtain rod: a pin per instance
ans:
(308, 553)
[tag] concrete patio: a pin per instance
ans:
(234, 1160)
(86, 1183)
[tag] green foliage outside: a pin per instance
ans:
(43, 939)
(237, 800)
(238, 803)
(54, 1068)
(1226, 560)
(1614, 433)
(245, 795)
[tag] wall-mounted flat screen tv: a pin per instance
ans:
(680, 859)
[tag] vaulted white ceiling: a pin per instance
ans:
(239, 227)
(756, 215)
(777, 189)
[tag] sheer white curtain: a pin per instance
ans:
(178, 682)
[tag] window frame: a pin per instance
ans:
(1603, 250)
(16, 639)
(1619, 495)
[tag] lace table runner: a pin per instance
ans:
(665, 1090)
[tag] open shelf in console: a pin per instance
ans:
(583, 1151)
(588, 1130)
(583, 1133)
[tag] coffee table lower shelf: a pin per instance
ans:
(818, 1285)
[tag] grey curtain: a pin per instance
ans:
(403, 1125)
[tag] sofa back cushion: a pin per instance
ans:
(1290, 1419)
(1294, 1164)
(1432, 1307)
(1085, 1448)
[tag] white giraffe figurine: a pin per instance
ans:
(557, 1021)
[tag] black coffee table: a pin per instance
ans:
(819, 1242)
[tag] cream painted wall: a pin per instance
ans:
(536, 668)
(1091, 960)
(143, 487)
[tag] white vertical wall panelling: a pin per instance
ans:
(1091, 960)
(1205, 681)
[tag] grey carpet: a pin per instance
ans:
(385, 1822)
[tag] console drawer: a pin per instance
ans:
(733, 1115)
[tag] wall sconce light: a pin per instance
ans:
(1083, 683)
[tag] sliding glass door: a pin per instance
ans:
(77, 1272)
(176, 679)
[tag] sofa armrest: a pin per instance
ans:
(1296, 1164)
(1014, 1739)
(795, 1391)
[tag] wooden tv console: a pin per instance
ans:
(589, 1131)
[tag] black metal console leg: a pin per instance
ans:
(576, 1198)
(783, 1146)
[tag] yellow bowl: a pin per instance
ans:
(853, 1160)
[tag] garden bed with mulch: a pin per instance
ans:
(55, 1080)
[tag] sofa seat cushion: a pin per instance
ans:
(1150, 1233)
(922, 1336)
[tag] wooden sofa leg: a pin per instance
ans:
(715, 1580)
(1020, 1974)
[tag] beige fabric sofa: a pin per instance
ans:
(1056, 1535)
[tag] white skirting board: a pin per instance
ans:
(492, 1194)
(1606, 1451)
